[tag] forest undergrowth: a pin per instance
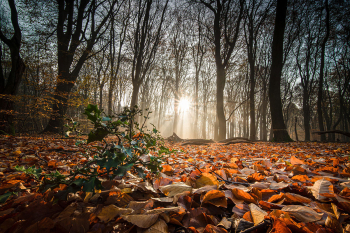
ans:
(255, 187)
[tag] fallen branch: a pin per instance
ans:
(197, 142)
(231, 139)
(226, 181)
(332, 131)
(38, 156)
(238, 141)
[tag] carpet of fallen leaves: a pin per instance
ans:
(256, 187)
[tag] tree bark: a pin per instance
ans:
(9, 88)
(279, 129)
(320, 82)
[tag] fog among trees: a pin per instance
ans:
(211, 69)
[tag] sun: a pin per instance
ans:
(184, 104)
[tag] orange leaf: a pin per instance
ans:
(206, 179)
(240, 194)
(247, 216)
(255, 177)
(279, 226)
(216, 198)
(295, 161)
(296, 198)
(276, 198)
(301, 178)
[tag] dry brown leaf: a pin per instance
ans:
(66, 213)
(141, 220)
(280, 185)
(111, 211)
(295, 161)
(276, 198)
(257, 214)
(241, 195)
(334, 224)
(322, 187)
(296, 198)
(302, 213)
(206, 179)
(279, 226)
(225, 223)
(335, 210)
(159, 227)
(344, 203)
(215, 197)
(172, 189)
(213, 229)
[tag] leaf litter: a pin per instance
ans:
(261, 187)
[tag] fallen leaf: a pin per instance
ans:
(295, 161)
(279, 226)
(322, 187)
(302, 213)
(206, 179)
(257, 214)
(215, 197)
(240, 194)
(141, 220)
(172, 189)
(159, 227)
(225, 223)
(111, 211)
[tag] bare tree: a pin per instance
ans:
(257, 12)
(279, 129)
(10, 86)
(225, 30)
(146, 37)
(320, 80)
(77, 26)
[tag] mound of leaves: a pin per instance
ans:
(259, 187)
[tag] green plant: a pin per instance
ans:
(110, 158)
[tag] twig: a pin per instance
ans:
(199, 170)
(232, 182)
(37, 155)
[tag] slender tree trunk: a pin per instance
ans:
(204, 122)
(220, 85)
(135, 93)
(295, 129)
(320, 82)
(252, 102)
(306, 113)
(278, 127)
(264, 113)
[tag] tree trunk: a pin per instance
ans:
(295, 129)
(135, 94)
(264, 113)
(252, 102)
(306, 113)
(278, 127)
(320, 82)
(220, 85)
(9, 88)
(204, 122)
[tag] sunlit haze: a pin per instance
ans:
(184, 104)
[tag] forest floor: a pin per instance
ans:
(248, 187)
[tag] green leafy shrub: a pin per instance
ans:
(130, 149)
